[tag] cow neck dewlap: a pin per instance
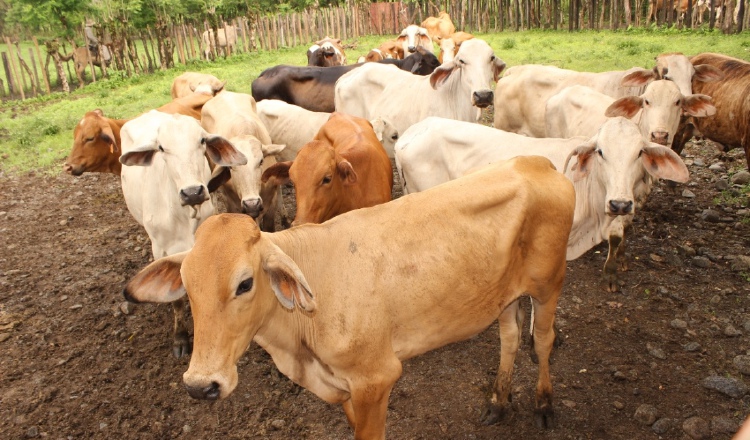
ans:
(460, 109)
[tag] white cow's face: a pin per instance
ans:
(617, 159)
(476, 67)
(414, 36)
(676, 67)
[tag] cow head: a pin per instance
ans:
(616, 161)
(386, 133)
(424, 62)
(208, 86)
(180, 145)
(479, 68)
(662, 105)
(95, 145)
(235, 279)
(673, 67)
(412, 37)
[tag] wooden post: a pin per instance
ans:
(14, 69)
(45, 74)
(38, 86)
(8, 75)
(21, 68)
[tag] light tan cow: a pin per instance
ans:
(190, 82)
(521, 94)
(580, 111)
(233, 116)
(340, 306)
(439, 27)
(393, 48)
(449, 45)
(227, 37)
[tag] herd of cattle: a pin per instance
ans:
(341, 303)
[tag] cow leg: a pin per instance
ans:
(349, 411)
(369, 402)
(616, 235)
(181, 343)
(544, 338)
(500, 396)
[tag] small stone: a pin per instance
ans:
(619, 375)
(721, 184)
(32, 432)
(743, 212)
(656, 352)
(686, 251)
(618, 405)
(186, 429)
(102, 426)
(740, 263)
(76, 306)
(709, 215)
(678, 324)
(731, 331)
(4, 337)
(688, 194)
(569, 403)
(715, 300)
(741, 178)
(723, 425)
(696, 428)
(718, 166)
(691, 347)
(746, 325)
(278, 424)
(662, 425)
(646, 414)
(127, 307)
(701, 262)
(63, 222)
(699, 162)
(726, 385)
(63, 298)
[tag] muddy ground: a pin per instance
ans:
(75, 363)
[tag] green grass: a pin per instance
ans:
(36, 134)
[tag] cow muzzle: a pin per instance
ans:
(620, 207)
(482, 98)
(412, 49)
(193, 195)
(74, 171)
(252, 207)
(209, 392)
(660, 137)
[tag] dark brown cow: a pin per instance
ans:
(730, 126)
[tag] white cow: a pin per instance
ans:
(580, 111)
(197, 82)
(414, 36)
(164, 183)
(521, 95)
(227, 38)
(233, 115)
(455, 90)
(295, 126)
(609, 171)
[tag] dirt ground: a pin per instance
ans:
(76, 363)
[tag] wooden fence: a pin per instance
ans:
(146, 50)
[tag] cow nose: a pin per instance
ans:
(412, 48)
(660, 137)
(620, 207)
(192, 195)
(252, 207)
(482, 98)
(210, 392)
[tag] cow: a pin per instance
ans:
(439, 27)
(96, 138)
(393, 48)
(227, 41)
(412, 37)
(679, 8)
(340, 306)
(730, 126)
(326, 53)
(294, 126)
(455, 90)
(233, 116)
(522, 94)
(83, 56)
(312, 87)
(164, 185)
(195, 82)
(374, 55)
(610, 172)
(580, 111)
(449, 45)
(343, 168)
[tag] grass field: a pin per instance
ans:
(36, 134)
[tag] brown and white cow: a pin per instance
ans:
(449, 45)
(393, 48)
(730, 126)
(196, 82)
(439, 27)
(233, 116)
(96, 138)
(326, 53)
(342, 169)
(521, 94)
(412, 37)
(340, 306)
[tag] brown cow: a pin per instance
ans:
(344, 168)
(96, 138)
(439, 27)
(730, 126)
(392, 47)
(340, 306)
(82, 56)
(190, 82)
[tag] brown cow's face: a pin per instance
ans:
(94, 147)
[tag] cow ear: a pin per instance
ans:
(277, 173)
(141, 158)
(108, 136)
(346, 172)
(378, 126)
(272, 149)
(222, 152)
(663, 163)
(441, 74)
(707, 72)
(698, 105)
(498, 66)
(287, 280)
(218, 88)
(638, 78)
(584, 155)
(99, 112)
(426, 41)
(159, 282)
(626, 107)
(220, 176)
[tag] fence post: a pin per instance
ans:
(45, 75)
(18, 85)
(8, 75)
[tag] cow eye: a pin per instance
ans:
(462, 62)
(89, 139)
(492, 59)
(261, 162)
(677, 103)
(326, 180)
(394, 137)
(203, 141)
(599, 152)
(161, 148)
(244, 286)
(647, 102)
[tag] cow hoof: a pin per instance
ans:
(544, 418)
(181, 346)
(492, 414)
